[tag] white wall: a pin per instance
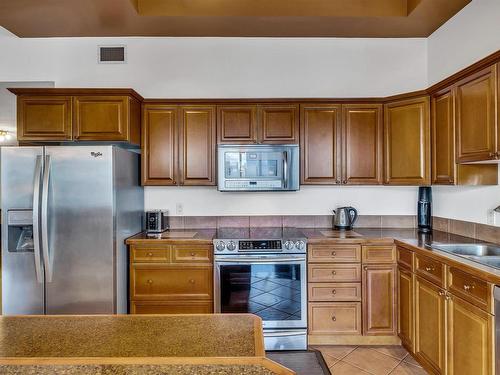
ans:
(472, 34)
(469, 36)
(232, 68)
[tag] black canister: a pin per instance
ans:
(424, 209)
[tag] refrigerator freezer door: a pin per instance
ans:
(22, 293)
(80, 230)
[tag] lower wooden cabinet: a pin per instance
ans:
(470, 339)
(430, 325)
(406, 319)
(171, 279)
(379, 302)
(334, 318)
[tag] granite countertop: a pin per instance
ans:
(211, 335)
(195, 235)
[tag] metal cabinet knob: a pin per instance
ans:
(150, 254)
(334, 253)
(334, 272)
(150, 281)
(334, 318)
(191, 281)
(448, 297)
(193, 254)
(334, 291)
(468, 288)
(365, 268)
(429, 269)
(441, 293)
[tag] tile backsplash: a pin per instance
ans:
(299, 221)
(478, 231)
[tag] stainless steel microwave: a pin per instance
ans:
(258, 167)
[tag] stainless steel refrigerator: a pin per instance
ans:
(66, 211)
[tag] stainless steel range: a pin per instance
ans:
(263, 271)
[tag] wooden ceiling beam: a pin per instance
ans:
(274, 8)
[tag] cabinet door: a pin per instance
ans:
(101, 118)
(379, 305)
(320, 144)
(407, 142)
(443, 138)
(44, 118)
(362, 144)
(430, 325)
(159, 145)
(237, 124)
(278, 124)
(197, 145)
(470, 339)
(475, 117)
(406, 327)
(334, 318)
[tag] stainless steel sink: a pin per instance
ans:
(472, 250)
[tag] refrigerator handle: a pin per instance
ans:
(44, 215)
(36, 219)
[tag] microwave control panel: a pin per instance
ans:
(243, 184)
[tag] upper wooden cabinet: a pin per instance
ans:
(320, 144)
(44, 118)
(178, 145)
(159, 144)
(445, 171)
(46, 115)
(407, 142)
(254, 123)
(197, 145)
(476, 120)
(362, 144)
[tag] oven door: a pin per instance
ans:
(270, 286)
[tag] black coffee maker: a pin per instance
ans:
(424, 209)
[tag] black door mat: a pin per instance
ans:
(304, 362)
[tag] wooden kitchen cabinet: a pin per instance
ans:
(379, 302)
(334, 318)
(407, 142)
(178, 145)
(159, 145)
(171, 278)
(46, 115)
(320, 144)
(445, 171)
(476, 122)
(405, 317)
(44, 118)
(258, 123)
(362, 144)
(197, 143)
(430, 325)
(470, 339)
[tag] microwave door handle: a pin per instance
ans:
(36, 219)
(45, 212)
(285, 169)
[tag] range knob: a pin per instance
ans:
(289, 245)
(231, 245)
(220, 245)
(301, 245)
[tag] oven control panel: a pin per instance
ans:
(260, 246)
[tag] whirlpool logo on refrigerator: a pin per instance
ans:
(96, 154)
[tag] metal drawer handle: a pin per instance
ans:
(334, 291)
(468, 287)
(430, 269)
(334, 318)
(334, 272)
(334, 253)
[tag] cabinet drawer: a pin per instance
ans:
(470, 288)
(334, 272)
(157, 282)
(325, 292)
(379, 254)
(192, 254)
(340, 318)
(335, 254)
(150, 254)
(171, 307)
(430, 269)
(405, 258)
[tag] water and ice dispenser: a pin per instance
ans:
(20, 231)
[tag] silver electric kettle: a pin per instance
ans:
(344, 217)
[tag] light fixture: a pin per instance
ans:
(4, 135)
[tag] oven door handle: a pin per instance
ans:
(259, 260)
(285, 169)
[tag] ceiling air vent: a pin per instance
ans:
(112, 54)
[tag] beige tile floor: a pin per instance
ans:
(366, 360)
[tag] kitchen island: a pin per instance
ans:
(159, 344)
